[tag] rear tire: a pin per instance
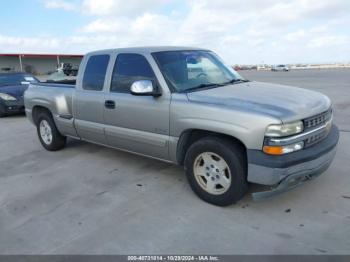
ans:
(216, 170)
(49, 136)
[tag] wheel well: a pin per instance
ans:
(190, 136)
(37, 110)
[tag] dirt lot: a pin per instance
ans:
(88, 199)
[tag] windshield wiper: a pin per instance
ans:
(213, 85)
(234, 81)
(201, 86)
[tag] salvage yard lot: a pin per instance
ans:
(88, 199)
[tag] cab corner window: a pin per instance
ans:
(128, 69)
(95, 72)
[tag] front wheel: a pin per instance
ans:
(216, 170)
(2, 113)
(49, 136)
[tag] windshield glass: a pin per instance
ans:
(191, 70)
(16, 79)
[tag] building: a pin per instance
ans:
(37, 64)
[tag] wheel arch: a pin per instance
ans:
(188, 137)
(39, 109)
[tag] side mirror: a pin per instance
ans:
(144, 88)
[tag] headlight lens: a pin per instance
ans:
(284, 129)
(7, 97)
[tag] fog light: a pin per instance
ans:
(280, 150)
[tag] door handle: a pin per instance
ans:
(110, 104)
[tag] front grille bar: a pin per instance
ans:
(317, 120)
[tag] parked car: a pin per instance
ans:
(12, 87)
(185, 106)
(280, 68)
(68, 69)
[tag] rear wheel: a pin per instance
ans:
(49, 136)
(216, 170)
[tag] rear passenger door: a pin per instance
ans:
(89, 99)
(136, 123)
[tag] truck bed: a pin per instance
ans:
(57, 98)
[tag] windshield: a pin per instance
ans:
(192, 70)
(16, 79)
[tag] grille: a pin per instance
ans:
(317, 120)
(316, 138)
(314, 122)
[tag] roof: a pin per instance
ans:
(148, 49)
(42, 55)
(142, 49)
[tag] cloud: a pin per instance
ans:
(329, 41)
(295, 36)
(33, 44)
(57, 4)
(103, 26)
(119, 7)
(241, 31)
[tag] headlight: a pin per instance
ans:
(284, 129)
(281, 150)
(7, 97)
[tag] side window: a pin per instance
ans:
(95, 72)
(128, 69)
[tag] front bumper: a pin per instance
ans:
(288, 171)
(12, 107)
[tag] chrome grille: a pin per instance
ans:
(317, 120)
(316, 138)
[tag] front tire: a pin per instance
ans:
(2, 113)
(216, 170)
(49, 136)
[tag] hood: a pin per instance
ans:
(279, 101)
(14, 90)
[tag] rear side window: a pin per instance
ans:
(128, 69)
(95, 72)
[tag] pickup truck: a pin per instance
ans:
(186, 106)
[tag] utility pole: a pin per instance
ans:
(20, 62)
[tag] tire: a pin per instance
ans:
(2, 113)
(49, 136)
(204, 157)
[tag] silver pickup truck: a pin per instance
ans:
(185, 106)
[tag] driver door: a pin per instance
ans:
(136, 123)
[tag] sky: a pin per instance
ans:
(240, 31)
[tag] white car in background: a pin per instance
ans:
(280, 68)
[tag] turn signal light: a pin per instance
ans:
(280, 150)
(273, 150)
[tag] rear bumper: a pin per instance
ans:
(288, 171)
(12, 107)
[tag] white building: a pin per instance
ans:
(37, 64)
